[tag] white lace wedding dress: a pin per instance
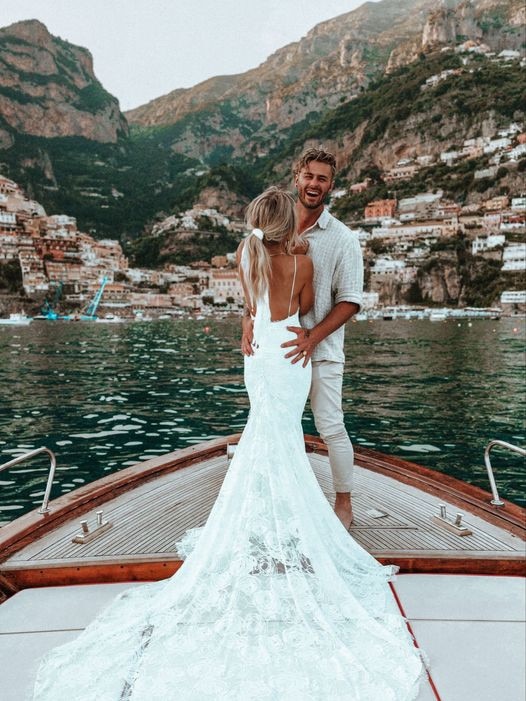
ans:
(275, 601)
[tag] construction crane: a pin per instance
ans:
(48, 310)
(91, 310)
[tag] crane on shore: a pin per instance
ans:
(49, 309)
(90, 314)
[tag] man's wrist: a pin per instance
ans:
(312, 335)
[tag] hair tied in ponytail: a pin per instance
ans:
(258, 234)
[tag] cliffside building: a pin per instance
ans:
(514, 258)
(380, 209)
(225, 286)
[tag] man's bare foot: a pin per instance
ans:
(343, 509)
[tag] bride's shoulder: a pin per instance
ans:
(303, 259)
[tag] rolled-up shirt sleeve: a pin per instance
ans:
(347, 282)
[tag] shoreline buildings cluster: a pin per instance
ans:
(52, 251)
(397, 236)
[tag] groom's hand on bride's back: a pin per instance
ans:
(304, 345)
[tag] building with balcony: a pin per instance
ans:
(400, 172)
(225, 285)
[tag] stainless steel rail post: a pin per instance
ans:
(515, 448)
(26, 456)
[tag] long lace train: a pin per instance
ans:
(275, 601)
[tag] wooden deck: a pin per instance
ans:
(150, 514)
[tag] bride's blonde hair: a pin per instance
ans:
(274, 214)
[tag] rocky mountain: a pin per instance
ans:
(353, 82)
(497, 23)
(48, 89)
(229, 116)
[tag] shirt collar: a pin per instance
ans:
(322, 222)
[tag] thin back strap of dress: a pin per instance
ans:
(292, 288)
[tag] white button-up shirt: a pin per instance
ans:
(338, 277)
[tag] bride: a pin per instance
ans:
(275, 601)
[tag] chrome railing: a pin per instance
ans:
(26, 456)
(515, 448)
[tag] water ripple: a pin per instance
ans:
(434, 394)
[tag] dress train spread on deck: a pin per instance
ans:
(275, 601)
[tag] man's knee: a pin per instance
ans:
(331, 429)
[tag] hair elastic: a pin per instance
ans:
(258, 234)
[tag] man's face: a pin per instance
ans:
(314, 182)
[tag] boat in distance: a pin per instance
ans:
(16, 319)
(461, 559)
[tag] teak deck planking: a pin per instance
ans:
(152, 504)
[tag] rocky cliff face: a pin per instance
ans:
(445, 25)
(48, 89)
(329, 64)
(333, 63)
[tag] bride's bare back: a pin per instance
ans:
(290, 285)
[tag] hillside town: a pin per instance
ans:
(52, 252)
(63, 267)
(397, 237)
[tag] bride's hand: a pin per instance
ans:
(247, 337)
(304, 345)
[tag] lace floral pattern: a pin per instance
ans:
(275, 601)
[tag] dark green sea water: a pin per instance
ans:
(106, 396)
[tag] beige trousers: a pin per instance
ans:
(326, 405)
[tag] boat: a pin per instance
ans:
(109, 319)
(460, 549)
(139, 315)
(438, 314)
(16, 319)
(389, 313)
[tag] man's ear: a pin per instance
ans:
(332, 185)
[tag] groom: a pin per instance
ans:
(338, 286)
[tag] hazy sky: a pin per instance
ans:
(144, 48)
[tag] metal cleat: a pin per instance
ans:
(86, 536)
(452, 525)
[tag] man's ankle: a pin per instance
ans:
(343, 498)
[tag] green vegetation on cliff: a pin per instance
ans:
(11, 277)
(121, 189)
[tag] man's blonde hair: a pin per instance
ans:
(315, 154)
